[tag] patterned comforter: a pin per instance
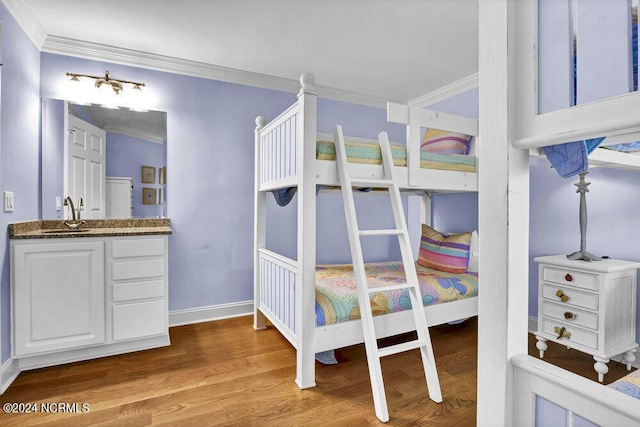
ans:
(336, 299)
(629, 384)
(370, 154)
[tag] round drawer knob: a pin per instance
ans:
(568, 277)
(562, 296)
(569, 315)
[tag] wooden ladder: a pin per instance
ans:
(423, 342)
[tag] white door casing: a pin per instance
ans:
(85, 167)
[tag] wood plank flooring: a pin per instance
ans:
(224, 373)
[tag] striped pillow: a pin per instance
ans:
(440, 141)
(444, 253)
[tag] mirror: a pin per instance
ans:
(134, 150)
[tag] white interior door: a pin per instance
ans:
(85, 166)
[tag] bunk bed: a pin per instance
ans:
(292, 156)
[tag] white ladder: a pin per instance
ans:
(374, 353)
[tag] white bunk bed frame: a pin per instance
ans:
(284, 289)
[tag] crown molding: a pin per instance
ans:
(446, 92)
(27, 20)
(98, 52)
(134, 133)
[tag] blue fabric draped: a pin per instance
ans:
(571, 158)
(284, 195)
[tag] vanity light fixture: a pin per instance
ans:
(116, 84)
(111, 92)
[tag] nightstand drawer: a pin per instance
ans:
(570, 278)
(577, 335)
(572, 297)
(577, 317)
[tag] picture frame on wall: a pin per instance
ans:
(148, 196)
(148, 174)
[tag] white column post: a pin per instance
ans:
(306, 298)
(503, 197)
(259, 228)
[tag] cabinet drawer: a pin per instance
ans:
(576, 298)
(570, 278)
(128, 291)
(582, 318)
(578, 336)
(138, 320)
(125, 248)
(133, 270)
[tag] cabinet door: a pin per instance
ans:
(58, 293)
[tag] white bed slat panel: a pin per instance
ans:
(278, 150)
(278, 278)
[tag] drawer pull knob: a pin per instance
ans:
(562, 296)
(569, 315)
(568, 277)
(562, 332)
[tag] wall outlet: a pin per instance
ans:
(58, 203)
(8, 201)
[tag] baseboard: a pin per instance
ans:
(207, 314)
(8, 373)
(533, 326)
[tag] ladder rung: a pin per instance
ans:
(391, 232)
(400, 286)
(400, 348)
(370, 182)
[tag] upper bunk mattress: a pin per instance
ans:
(337, 301)
(370, 154)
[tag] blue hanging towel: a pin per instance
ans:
(571, 158)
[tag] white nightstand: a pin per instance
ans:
(588, 306)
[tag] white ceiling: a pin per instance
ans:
(395, 50)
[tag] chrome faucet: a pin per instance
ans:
(80, 207)
(74, 223)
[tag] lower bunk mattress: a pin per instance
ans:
(337, 300)
(629, 384)
(370, 154)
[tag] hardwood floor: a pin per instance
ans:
(576, 362)
(225, 373)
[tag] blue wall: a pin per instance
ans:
(19, 144)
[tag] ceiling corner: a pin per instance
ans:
(27, 20)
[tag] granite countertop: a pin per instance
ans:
(55, 229)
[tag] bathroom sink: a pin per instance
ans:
(69, 230)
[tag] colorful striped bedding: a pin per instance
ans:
(370, 154)
(629, 384)
(336, 299)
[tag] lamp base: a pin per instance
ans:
(584, 256)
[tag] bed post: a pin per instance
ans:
(259, 229)
(305, 295)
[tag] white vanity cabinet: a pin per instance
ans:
(138, 287)
(59, 299)
(78, 298)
